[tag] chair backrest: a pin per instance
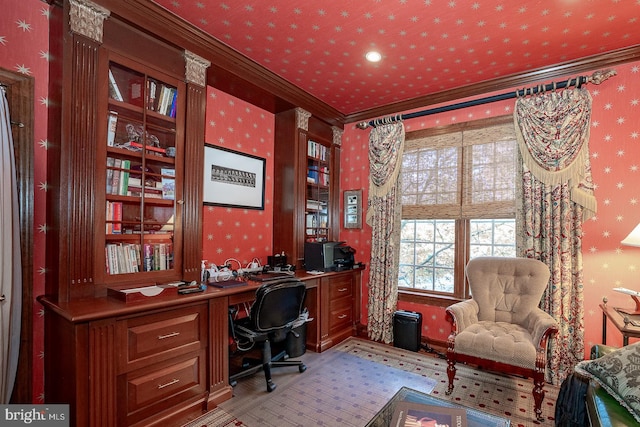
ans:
(506, 289)
(277, 305)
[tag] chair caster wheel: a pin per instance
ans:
(302, 368)
(270, 386)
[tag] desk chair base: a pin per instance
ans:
(253, 365)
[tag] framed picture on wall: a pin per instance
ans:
(233, 179)
(353, 209)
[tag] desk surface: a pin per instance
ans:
(626, 329)
(96, 308)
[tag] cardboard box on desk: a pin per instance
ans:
(131, 293)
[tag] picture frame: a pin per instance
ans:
(352, 209)
(233, 179)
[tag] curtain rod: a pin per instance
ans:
(596, 78)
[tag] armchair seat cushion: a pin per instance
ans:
(499, 341)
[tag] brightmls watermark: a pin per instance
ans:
(35, 415)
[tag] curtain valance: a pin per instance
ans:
(553, 135)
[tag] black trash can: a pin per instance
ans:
(296, 341)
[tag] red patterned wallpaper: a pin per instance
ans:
(235, 233)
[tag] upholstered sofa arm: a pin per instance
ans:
(541, 325)
(463, 314)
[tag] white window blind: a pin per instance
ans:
(463, 173)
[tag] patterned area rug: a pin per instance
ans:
(501, 395)
(348, 384)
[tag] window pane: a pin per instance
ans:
(427, 255)
(492, 237)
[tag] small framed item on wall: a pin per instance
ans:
(233, 179)
(353, 209)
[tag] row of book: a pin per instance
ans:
(114, 217)
(122, 258)
(121, 182)
(318, 175)
(162, 98)
(317, 150)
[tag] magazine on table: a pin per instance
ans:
(411, 414)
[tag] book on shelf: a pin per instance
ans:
(114, 90)
(135, 90)
(124, 178)
(114, 217)
(168, 183)
(110, 164)
(115, 179)
(152, 88)
(111, 128)
(172, 110)
(413, 414)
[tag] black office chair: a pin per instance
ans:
(277, 306)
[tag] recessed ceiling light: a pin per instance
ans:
(373, 56)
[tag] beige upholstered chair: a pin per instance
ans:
(501, 328)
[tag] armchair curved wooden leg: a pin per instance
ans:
(451, 373)
(538, 395)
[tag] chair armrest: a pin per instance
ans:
(463, 314)
(541, 325)
(247, 333)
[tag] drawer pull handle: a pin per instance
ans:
(172, 382)
(342, 316)
(171, 335)
(343, 289)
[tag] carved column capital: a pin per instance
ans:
(337, 135)
(302, 118)
(196, 68)
(87, 18)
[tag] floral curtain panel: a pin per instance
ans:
(557, 197)
(386, 144)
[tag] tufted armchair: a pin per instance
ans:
(501, 328)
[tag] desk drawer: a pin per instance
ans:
(340, 287)
(340, 314)
(147, 392)
(158, 337)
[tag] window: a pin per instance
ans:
(458, 202)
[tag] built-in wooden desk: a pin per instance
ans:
(620, 321)
(164, 359)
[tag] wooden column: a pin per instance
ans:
(196, 68)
